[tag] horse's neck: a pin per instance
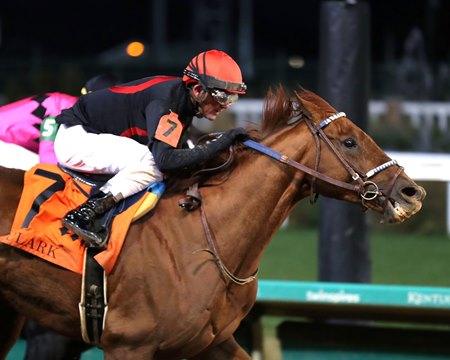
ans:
(250, 207)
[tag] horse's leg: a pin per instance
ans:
(228, 350)
(11, 325)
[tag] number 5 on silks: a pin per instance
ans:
(48, 129)
(169, 129)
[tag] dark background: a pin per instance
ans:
(56, 45)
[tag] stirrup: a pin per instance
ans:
(93, 240)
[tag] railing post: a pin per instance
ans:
(344, 249)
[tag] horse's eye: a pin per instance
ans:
(350, 142)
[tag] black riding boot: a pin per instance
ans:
(82, 220)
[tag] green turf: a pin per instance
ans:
(411, 259)
(397, 258)
(291, 255)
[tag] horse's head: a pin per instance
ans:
(337, 158)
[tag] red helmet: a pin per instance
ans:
(215, 69)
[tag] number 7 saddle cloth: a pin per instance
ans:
(49, 193)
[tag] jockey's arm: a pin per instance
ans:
(169, 159)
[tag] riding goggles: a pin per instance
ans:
(223, 98)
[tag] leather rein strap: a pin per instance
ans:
(368, 190)
(284, 159)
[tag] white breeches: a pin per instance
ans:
(131, 162)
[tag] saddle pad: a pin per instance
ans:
(48, 194)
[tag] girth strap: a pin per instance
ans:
(93, 304)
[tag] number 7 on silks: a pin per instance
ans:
(169, 129)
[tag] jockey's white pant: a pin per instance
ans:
(131, 162)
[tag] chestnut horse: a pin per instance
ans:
(184, 279)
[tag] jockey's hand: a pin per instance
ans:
(236, 134)
(225, 140)
(175, 159)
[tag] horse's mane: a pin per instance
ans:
(279, 106)
(277, 110)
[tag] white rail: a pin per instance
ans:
(421, 115)
(427, 167)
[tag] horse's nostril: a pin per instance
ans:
(412, 191)
(409, 191)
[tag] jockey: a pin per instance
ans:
(133, 131)
(30, 122)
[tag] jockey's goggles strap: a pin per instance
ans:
(223, 98)
(212, 82)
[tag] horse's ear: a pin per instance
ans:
(298, 111)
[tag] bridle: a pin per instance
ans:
(365, 188)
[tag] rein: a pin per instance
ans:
(368, 190)
(284, 159)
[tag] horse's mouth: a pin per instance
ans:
(393, 211)
(396, 212)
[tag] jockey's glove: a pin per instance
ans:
(175, 159)
(236, 134)
(225, 140)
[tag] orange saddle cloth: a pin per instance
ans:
(48, 194)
